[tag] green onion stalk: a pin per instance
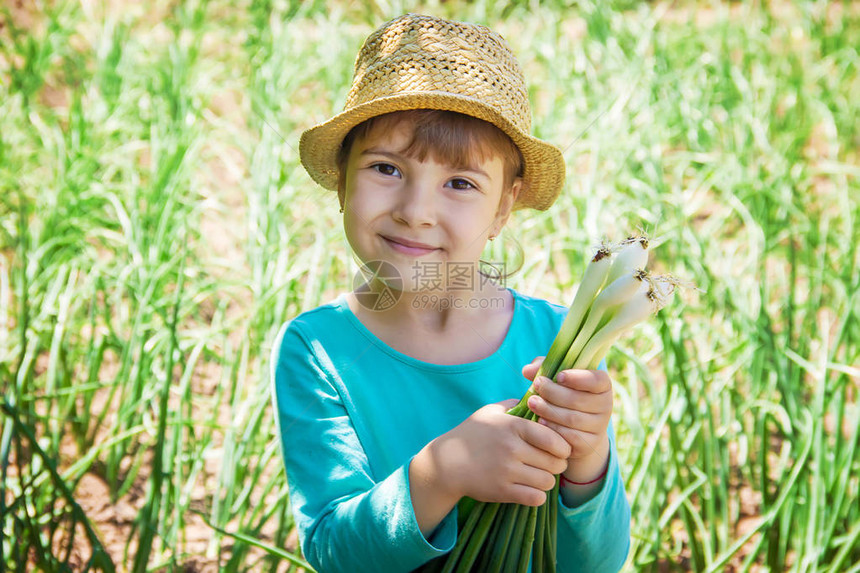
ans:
(616, 293)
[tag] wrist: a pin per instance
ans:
(431, 499)
(564, 481)
(589, 469)
(437, 475)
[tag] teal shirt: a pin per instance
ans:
(351, 414)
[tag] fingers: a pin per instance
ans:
(591, 381)
(566, 417)
(544, 439)
(525, 495)
(577, 408)
(535, 477)
(583, 443)
(569, 393)
(543, 461)
(529, 485)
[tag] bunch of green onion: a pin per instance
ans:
(615, 294)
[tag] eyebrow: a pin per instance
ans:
(393, 155)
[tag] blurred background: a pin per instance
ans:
(156, 229)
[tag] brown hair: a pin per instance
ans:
(446, 136)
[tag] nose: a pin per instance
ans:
(417, 204)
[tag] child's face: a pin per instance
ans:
(453, 211)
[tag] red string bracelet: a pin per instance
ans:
(595, 480)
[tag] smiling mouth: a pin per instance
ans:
(401, 248)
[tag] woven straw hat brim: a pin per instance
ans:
(543, 172)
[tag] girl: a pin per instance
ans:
(391, 399)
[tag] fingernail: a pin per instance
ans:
(538, 382)
(561, 377)
(533, 401)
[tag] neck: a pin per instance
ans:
(433, 311)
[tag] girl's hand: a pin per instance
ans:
(495, 457)
(578, 407)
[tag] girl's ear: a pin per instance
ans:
(341, 188)
(515, 191)
(506, 205)
(509, 198)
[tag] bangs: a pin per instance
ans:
(447, 137)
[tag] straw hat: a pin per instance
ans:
(424, 62)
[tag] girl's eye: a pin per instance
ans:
(384, 168)
(462, 184)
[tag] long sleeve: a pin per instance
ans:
(348, 519)
(595, 536)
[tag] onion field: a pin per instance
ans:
(157, 228)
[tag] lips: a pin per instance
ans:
(406, 246)
(408, 243)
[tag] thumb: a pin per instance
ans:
(530, 370)
(509, 403)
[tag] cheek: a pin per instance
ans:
(353, 228)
